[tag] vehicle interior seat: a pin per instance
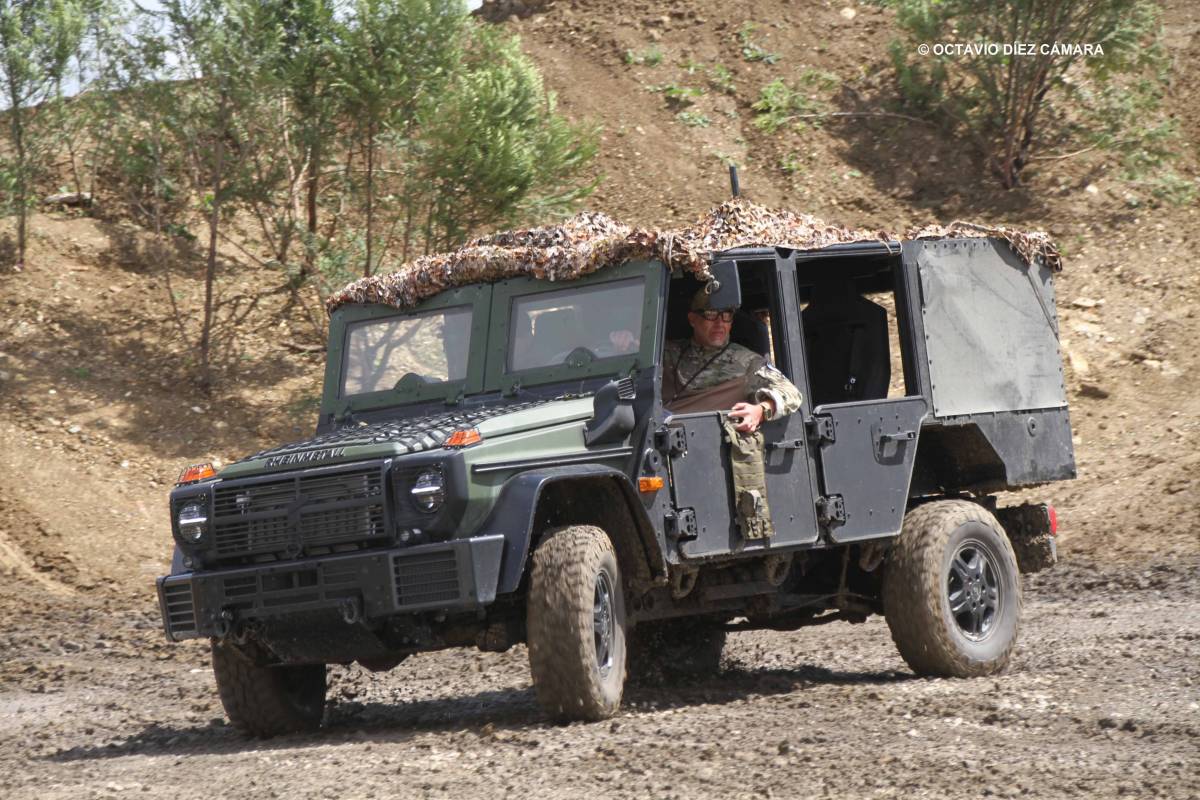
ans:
(846, 339)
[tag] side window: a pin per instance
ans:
(546, 328)
(851, 333)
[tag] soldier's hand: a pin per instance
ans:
(749, 416)
(623, 340)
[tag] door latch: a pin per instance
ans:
(681, 524)
(831, 510)
(672, 441)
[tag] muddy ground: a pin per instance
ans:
(1102, 700)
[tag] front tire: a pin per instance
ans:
(576, 625)
(952, 592)
(268, 701)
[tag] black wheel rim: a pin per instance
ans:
(604, 623)
(973, 590)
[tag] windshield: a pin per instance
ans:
(416, 349)
(547, 327)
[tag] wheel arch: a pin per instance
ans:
(589, 494)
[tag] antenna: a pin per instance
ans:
(735, 188)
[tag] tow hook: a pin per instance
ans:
(224, 625)
(350, 611)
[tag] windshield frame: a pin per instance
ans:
(348, 317)
(498, 378)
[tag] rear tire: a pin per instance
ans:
(576, 624)
(666, 652)
(268, 701)
(952, 592)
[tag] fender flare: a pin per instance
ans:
(515, 511)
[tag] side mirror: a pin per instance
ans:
(612, 413)
(726, 290)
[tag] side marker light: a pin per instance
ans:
(647, 485)
(463, 438)
(196, 472)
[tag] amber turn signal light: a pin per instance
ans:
(647, 485)
(463, 438)
(196, 472)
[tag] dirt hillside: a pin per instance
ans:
(96, 421)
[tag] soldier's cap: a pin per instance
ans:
(700, 301)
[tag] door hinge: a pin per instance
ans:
(681, 524)
(672, 441)
(823, 428)
(831, 509)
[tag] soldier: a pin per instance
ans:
(708, 373)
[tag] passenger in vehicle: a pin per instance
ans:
(708, 372)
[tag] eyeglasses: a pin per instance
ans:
(713, 316)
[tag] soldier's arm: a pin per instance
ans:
(769, 384)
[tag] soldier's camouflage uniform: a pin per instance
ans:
(763, 381)
(696, 368)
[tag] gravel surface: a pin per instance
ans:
(1102, 700)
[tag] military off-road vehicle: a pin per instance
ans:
(493, 464)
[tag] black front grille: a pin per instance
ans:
(291, 515)
(180, 610)
(426, 578)
(283, 589)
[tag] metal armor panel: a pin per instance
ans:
(990, 329)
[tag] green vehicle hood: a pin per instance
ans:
(410, 434)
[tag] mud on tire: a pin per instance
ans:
(952, 592)
(576, 624)
(268, 700)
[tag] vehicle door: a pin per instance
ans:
(704, 522)
(865, 446)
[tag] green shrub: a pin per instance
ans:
(1012, 105)
(751, 49)
(651, 57)
(779, 104)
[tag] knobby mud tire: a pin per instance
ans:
(916, 587)
(569, 682)
(268, 701)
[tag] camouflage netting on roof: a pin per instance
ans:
(589, 241)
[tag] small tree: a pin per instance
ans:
(396, 59)
(303, 63)
(494, 151)
(38, 39)
(1008, 101)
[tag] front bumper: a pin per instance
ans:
(457, 575)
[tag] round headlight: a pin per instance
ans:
(429, 491)
(193, 523)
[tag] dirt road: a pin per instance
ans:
(1103, 700)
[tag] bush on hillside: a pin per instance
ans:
(1088, 74)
